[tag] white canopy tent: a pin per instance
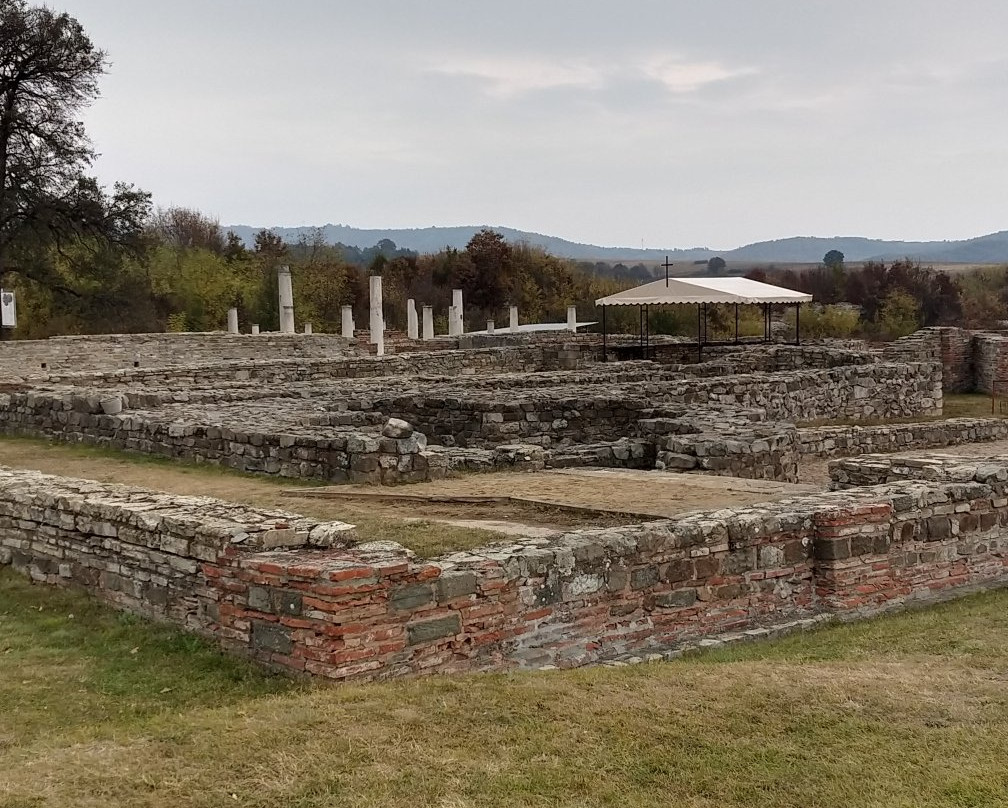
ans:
(701, 292)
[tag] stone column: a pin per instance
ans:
(232, 321)
(286, 300)
(572, 318)
(346, 322)
(428, 322)
(513, 324)
(380, 344)
(459, 316)
(411, 319)
(452, 322)
(255, 328)
(377, 321)
(490, 326)
(307, 328)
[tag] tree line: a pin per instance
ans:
(84, 258)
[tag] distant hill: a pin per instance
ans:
(433, 239)
(989, 249)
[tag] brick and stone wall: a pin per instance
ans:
(374, 611)
(972, 361)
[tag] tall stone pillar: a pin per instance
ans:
(232, 321)
(286, 300)
(346, 322)
(513, 320)
(377, 321)
(428, 322)
(459, 316)
(411, 319)
(572, 318)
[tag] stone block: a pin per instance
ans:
(259, 599)
(832, 549)
(431, 630)
(678, 599)
(271, 637)
(397, 428)
(411, 596)
(644, 577)
(453, 585)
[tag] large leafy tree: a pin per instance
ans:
(49, 71)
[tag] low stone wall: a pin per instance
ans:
(142, 551)
(768, 453)
(111, 352)
(776, 359)
(879, 469)
(394, 455)
(834, 441)
(280, 370)
(482, 418)
(375, 612)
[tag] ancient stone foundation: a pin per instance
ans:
(284, 409)
(299, 596)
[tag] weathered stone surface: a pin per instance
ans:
(271, 637)
(430, 630)
(397, 428)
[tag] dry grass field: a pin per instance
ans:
(100, 709)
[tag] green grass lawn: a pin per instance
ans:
(101, 710)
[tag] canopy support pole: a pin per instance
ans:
(647, 330)
(699, 344)
(603, 334)
(736, 323)
(797, 328)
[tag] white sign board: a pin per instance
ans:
(8, 309)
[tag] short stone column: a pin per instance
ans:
(452, 322)
(572, 318)
(411, 319)
(346, 322)
(255, 328)
(459, 316)
(307, 328)
(490, 326)
(428, 322)
(377, 321)
(286, 292)
(513, 320)
(232, 320)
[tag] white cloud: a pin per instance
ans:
(511, 76)
(681, 76)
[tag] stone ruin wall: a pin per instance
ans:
(972, 361)
(373, 611)
(278, 368)
(855, 392)
(543, 393)
(107, 352)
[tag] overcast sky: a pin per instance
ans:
(667, 123)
